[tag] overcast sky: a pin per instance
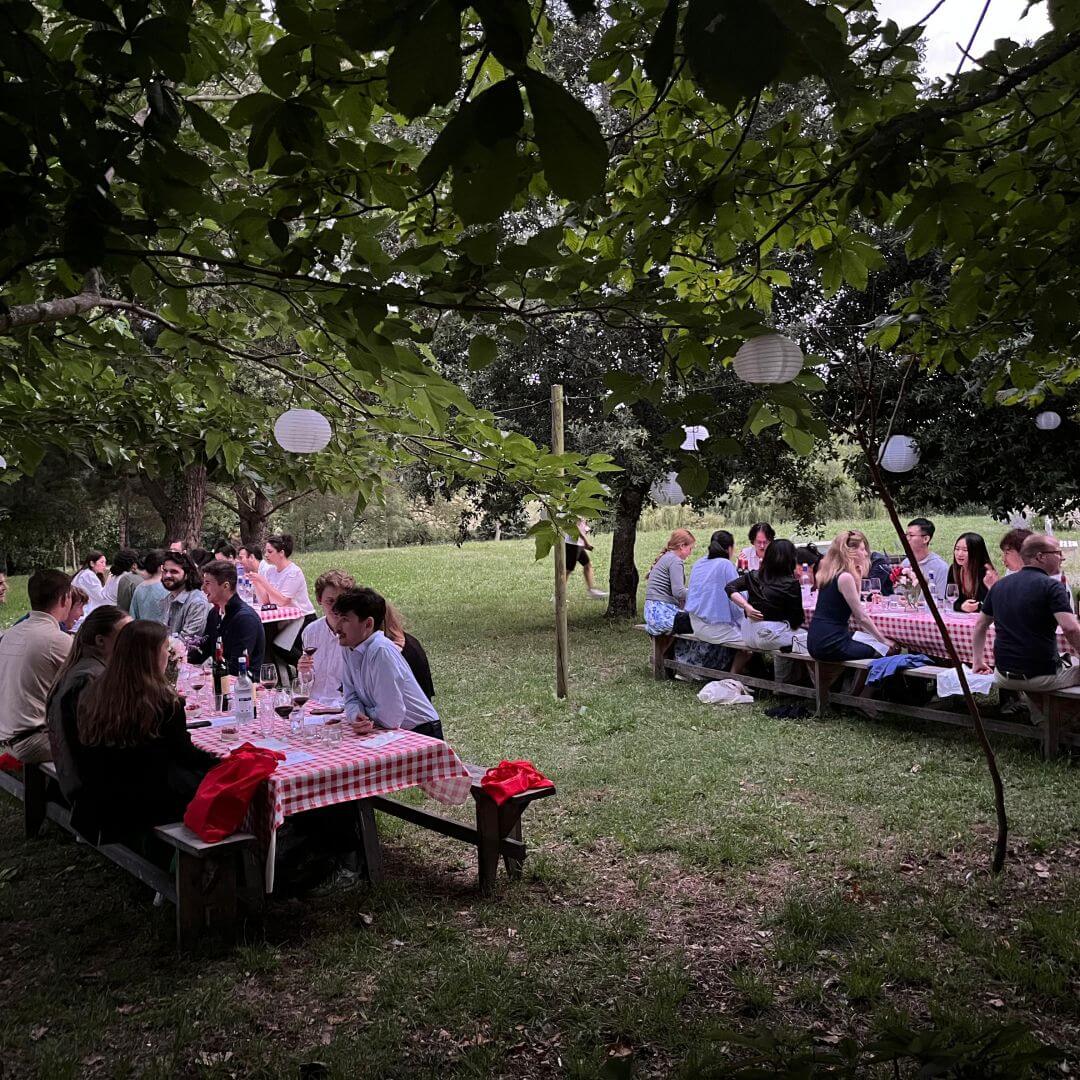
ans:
(954, 21)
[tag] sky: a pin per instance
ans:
(954, 21)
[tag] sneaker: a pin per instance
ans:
(597, 594)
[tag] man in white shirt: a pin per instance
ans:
(380, 688)
(920, 534)
(31, 653)
(323, 655)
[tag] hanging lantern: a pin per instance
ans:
(1047, 421)
(3, 463)
(302, 431)
(695, 435)
(770, 358)
(667, 492)
(899, 454)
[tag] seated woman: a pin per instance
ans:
(665, 594)
(410, 649)
(283, 583)
(79, 602)
(762, 534)
(972, 571)
(839, 576)
(773, 601)
(90, 652)
(712, 615)
(134, 756)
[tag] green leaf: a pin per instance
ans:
(207, 126)
(660, 55)
(802, 442)
(93, 10)
(507, 29)
(572, 147)
(425, 68)
(694, 478)
(735, 47)
(233, 451)
(482, 352)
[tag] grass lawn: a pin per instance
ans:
(701, 868)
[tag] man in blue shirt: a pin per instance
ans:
(1026, 609)
(231, 619)
(379, 686)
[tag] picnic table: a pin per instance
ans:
(278, 614)
(316, 774)
(917, 631)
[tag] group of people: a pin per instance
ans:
(100, 705)
(763, 607)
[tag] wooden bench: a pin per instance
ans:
(1056, 706)
(204, 886)
(497, 832)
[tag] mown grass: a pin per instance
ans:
(698, 864)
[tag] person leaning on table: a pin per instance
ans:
(31, 653)
(231, 619)
(379, 687)
(1026, 609)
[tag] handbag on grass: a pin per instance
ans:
(510, 778)
(221, 803)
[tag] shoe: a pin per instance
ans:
(597, 594)
(341, 880)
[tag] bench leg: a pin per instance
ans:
(1051, 710)
(206, 904)
(823, 676)
(35, 794)
(661, 647)
(513, 831)
(487, 847)
(369, 838)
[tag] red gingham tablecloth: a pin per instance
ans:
(279, 614)
(343, 773)
(917, 631)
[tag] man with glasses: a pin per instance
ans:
(920, 534)
(1026, 609)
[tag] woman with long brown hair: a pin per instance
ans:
(665, 594)
(90, 653)
(135, 758)
(839, 575)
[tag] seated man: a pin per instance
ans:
(1026, 609)
(1010, 545)
(920, 534)
(236, 623)
(186, 606)
(380, 688)
(31, 653)
(322, 654)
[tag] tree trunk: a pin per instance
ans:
(180, 503)
(623, 574)
(253, 509)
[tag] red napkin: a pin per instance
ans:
(221, 803)
(10, 763)
(510, 778)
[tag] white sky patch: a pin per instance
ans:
(949, 28)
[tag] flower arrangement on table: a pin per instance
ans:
(906, 584)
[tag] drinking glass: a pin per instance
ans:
(864, 591)
(283, 708)
(301, 691)
(875, 591)
(952, 594)
(332, 732)
(268, 676)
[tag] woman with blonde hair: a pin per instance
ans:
(838, 577)
(665, 595)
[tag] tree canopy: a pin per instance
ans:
(293, 196)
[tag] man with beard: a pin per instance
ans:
(186, 605)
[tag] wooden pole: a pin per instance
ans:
(562, 648)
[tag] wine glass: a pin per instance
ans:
(952, 594)
(864, 590)
(268, 676)
(283, 707)
(875, 591)
(301, 691)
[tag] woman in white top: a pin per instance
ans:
(91, 579)
(284, 584)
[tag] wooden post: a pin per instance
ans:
(562, 650)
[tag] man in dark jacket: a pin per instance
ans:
(231, 619)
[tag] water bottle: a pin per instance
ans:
(932, 587)
(806, 583)
(243, 696)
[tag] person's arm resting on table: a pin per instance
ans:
(355, 709)
(1070, 627)
(850, 592)
(978, 644)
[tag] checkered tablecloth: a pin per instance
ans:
(343, 773)
(279, 614)
(917, 632)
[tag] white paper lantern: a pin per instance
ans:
(3, 463)
(302, 431)
(771, 358)
(899, 454)
(696, 434)
(667, 492)
(1047, 421)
